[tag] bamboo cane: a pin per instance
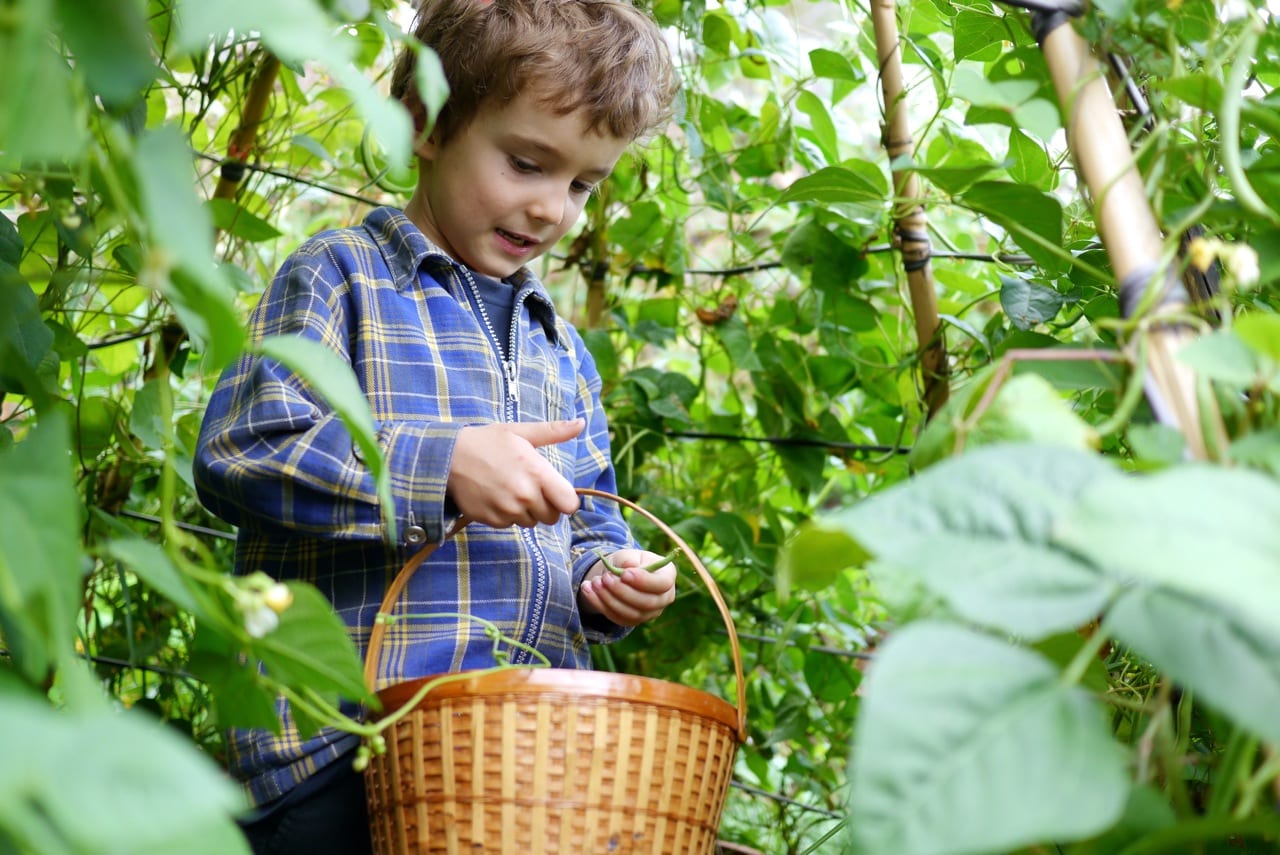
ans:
(245, 136)
(910, 224)
(1126, 222)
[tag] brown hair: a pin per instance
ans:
(603, 56)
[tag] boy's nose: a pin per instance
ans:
(549, 208)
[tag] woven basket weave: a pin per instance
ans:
(544, 761)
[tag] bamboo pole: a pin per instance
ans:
(910, 224)
(1126, 223)
(245, 136)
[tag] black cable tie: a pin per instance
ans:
(922, 252)
(233, 171)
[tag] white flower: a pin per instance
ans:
(261, 621)
(1242, 263)
(278, 597)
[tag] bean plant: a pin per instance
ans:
(1025, 616)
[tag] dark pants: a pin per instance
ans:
(327, 818)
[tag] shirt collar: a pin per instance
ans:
(406, 249)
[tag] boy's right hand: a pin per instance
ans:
(498, 478)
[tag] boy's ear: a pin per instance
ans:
(424, 143)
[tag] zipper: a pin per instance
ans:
(511, 378)
(510, 374)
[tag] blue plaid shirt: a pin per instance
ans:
(275, 461)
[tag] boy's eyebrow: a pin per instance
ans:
(599, 173)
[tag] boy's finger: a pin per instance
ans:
(547, 433)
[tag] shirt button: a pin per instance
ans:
(356, 452)
(415, 535)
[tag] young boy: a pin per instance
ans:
(486, 401)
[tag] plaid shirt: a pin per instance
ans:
(274, 460)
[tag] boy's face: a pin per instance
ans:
(504, 189)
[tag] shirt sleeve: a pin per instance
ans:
(272, 453)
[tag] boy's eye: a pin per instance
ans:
(522, 165)
(581, 187)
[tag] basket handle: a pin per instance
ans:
(374, 651)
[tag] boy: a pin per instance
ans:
(486, 402)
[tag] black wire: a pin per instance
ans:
(196, 529)
(756, 791)
(792, 441)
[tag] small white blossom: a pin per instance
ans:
(1242, 263)
(261, 621)
(278, 597)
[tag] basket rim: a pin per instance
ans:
(571, 682)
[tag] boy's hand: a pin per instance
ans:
(497, 477)
(632, 597)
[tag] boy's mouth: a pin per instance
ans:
(517, 239)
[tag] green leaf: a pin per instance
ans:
(815, 557)
(311, 648)
(1027, 408)
(40, 559)
(968, 744)
(1029, 162)
(10, 242)
(864, 189)
(231, 217)
(149, 561)
(975, 530)
(1222, 355)
(1027, 303)
(832, 65)
(823, 128)
(24, 338)
(1206, 532)
(736, 338)
(1260, 450)
(1200, 90)
(147, 790)
(1033, 218)
(830, 677)
(38, 118)
(952, 176)
(433, 87)
(1229, 660)
(1261, 332)
(183, 229)
(333, 380)
(978, 34)
(111, 46)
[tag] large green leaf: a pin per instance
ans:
(1207, 532)
(311, 648)
(40, 561)
(967, 744)
(183, 231)
(1033, 218)
(1229, 661)
(24, 339)
(859, 186)
(1028, 303)
(38, 109)
(334, 381)
(111, 46)
(144, 790)
(975, 529)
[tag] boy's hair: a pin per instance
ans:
(603, 56)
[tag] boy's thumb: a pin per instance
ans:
(547, 433)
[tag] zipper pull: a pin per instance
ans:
(513, 388)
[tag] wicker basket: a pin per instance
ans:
(552, 761)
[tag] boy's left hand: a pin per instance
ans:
(635, 596)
